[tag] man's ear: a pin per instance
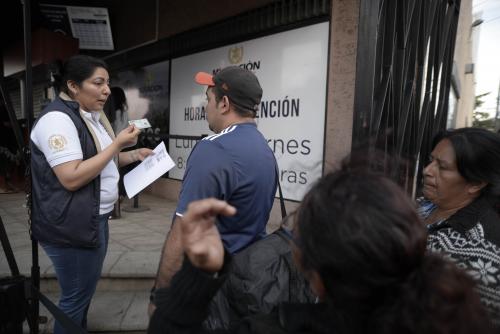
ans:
(224, 104)
(476, 187)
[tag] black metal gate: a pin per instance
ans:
(404, 65)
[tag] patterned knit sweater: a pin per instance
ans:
(471, 239)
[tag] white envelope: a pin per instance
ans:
(148, 171)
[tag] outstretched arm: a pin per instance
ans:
(181, 308)
(171, 256)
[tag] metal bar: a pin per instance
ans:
(364, 88)
(169, 136)
(403, 78)
(28, 112)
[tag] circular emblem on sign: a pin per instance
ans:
(235, 54)
(57, 142)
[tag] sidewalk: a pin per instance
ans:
(130, 266)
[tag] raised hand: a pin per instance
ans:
(127, 137)
(200, 238)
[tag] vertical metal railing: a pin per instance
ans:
(403, 77)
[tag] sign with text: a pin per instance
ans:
(90, 25)
(292, 70)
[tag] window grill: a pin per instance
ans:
(404, 66)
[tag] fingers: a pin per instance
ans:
(135, 131)
(128, 136)
(144, 152)
(200, 238)
(131, 130)
(207, 208)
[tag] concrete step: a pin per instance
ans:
(119, 304)
(117, 264)
(109, 312)
(122, 296)
(50, 285)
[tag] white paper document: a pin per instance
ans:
(148, 171)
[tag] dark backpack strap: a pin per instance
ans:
(282, 201)
(293, 274)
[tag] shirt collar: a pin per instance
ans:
(252, 123)
(65, 96)
(91, 116)
(479, 211)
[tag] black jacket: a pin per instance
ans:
(260, 277)
(183, 307)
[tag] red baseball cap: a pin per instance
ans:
(241, 86)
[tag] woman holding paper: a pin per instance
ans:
(74, 159)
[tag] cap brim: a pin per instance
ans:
(203, 78)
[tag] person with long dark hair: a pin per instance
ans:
(359, 242)
(462, 193)
(74, 160)
(116, 109)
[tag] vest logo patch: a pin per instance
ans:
(57, 143)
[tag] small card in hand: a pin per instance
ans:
(140, 123)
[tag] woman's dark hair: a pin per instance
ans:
(477, 153)
(360, 232)
(116, 101)
(78, 68)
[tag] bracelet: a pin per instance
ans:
(152, 295)
(133, 155)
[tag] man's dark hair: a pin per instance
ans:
(477, 153)
(360, 232)
(78, 68)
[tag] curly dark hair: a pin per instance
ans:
(360, 232)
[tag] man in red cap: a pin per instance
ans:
(235, 164)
